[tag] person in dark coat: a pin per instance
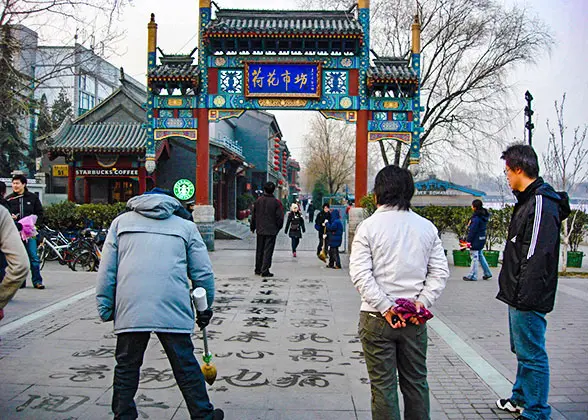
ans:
(477, 239)
(295, 227)
(267, 218)
(319, 225)
(24, 203)
(334, 238)
(528, 278)
(310, 209)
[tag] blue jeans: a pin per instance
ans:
(31, 247)
(130, 348)
(478, 256)
(527, 341)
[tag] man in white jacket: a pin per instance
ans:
(396, 254)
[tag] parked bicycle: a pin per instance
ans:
(79, 249)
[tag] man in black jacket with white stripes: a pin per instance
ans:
(528, 279)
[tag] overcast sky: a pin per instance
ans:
(563, 71)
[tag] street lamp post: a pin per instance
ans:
(529, 113)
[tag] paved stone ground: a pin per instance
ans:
(285, 348)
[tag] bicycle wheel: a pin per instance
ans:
(50, 254)
(84, 261)
(42, 254)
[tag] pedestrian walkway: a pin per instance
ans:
(286, 348)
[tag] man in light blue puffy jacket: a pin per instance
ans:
(151, 258)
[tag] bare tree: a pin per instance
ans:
(468, 49)
(566, 164)
(330, 151)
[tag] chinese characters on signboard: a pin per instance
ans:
(283, 80)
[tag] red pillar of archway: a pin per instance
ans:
(202, 158)
(361, 156)
(142, 179)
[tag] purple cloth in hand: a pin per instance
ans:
(28, 227)
(407, 309)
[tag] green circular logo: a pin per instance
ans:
(184, 189)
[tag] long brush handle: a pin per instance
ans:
(207, 355)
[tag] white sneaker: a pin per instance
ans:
(509, 406)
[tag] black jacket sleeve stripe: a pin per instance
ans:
(536, 225)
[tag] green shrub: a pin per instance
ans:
(459, 219)
(497, 230)
(67, 215)
(368, 204)
(579, 219)
(244, 201)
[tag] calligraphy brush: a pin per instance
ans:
(208, 369)
(323, 255)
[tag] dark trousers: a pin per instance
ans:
(130, 348)
(388, 350)
(264, 252)
(295, 242)
(3, 265)
(334, 258)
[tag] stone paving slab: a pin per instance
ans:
(285, 348)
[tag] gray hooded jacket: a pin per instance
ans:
(147, 258)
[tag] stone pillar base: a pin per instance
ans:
(204, 219)
(355, 218)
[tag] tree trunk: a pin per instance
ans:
(383, 152)
(564, 248)
(397, 153)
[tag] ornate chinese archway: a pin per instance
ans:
(274, 59)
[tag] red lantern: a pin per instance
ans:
(280, 182)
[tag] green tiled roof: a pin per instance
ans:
(234, 22)
(391, 69)
(127, 137)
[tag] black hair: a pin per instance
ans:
(21, 178)
(269, 187)
(394, 187)
(2, 189)
(477, 204)
(326, 205)
(522, 156)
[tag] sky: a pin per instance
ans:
(563, 70)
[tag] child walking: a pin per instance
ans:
(295, 225)
(334, 238)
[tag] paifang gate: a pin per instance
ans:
(279, 59)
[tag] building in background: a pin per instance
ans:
(84, 76)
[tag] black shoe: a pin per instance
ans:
(39, 286)
(267, 274)
(23, 286)
(509, 406)
(487, 277)
(218, 414)
(466, 278)
(258, 273)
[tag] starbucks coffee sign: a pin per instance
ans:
(184, 189)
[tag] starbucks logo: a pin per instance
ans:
(184, 189)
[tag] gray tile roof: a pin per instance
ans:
(275, 22)
(391, 69)
(185, 71)
(129, 137)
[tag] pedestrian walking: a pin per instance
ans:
(295, 227)
(151, 258)
(267, 219)
(477, 240)
(382, 273)
(17, 261)
(310, 210)
(24, 203)
(528, 278)
(335, 238)
(319, 225)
